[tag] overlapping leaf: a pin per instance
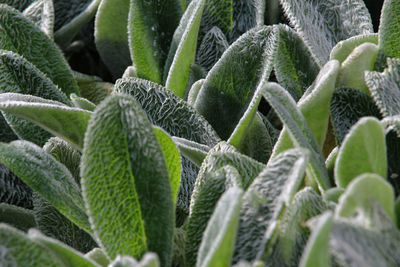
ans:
(344, 48)
(389, 30)
(41, 12)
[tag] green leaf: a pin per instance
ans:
(212, 46)
(149, 260)
(70, 17)
(219, 14)
(18, 4)
(317, 252)
(363, 193)
(194, 92)
(265, 199)
(125, 181)
(98, 256)
(204, 204)
(18, 250)
(295, 68)
(20, 35)
(230, 85)
(297, 127)
(246, 15)
(347, 107)
(195, 152)
(41, 12)
(111, 35)
(344, 48)
(352, 70)
(389, 32)
(323, 23)
(68, 256)
(363, 150)
(151, 26)
(18, 217)
(44, 174)
(66, 122)
(172, 160)
(217, 245)
(82, 103)
(95, 91)
(185, 53)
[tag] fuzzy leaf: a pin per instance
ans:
(323, 23)
(389, 32)
(71, 15)
(82, 103)
(20, 35)
(217, 13)
(295, 68)
(18, 4)
(194, 151)
(44, 174)
(41, 12)
(363, 150)
(151, 26)
(247, 14)
(265, 199)
(185, 53)
(18, 217)
(194, 92)
(217, 245)
(125, 181)
(344, 48)
(230, 85)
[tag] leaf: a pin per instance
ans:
(204, 205)
(82, 103)
(41, 12)
(295, 68)
(149, 260)
(6, 133)
(344, 48)
(363, 193)
(18, 217)
(111, 36)
(246, 15)
(389, 32)
(98, 256)
(212, 46)
(18, 4)
(61, 252)
(125, 181)
(217, 245)
(20, 35)
(298, 129)
(66, 122)
(151, 25)
(219, 14)
(385, 88)
(194, 92)
(363, 150)
(185, 53)
(317, 249)
(172, 160)
(323, 23)
(44, 174)
(18, 250)
(362, 59)
(70, 17)
(230, 85)
(195, 152)
(347, 107)
(265, 199)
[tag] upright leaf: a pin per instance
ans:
(389, 30)
(217, 13)
(151, 25)
(323, 23)
(20, 35)
(125, 181)
(247, 14)
(363, 150)
(41, 12)
(344, 48)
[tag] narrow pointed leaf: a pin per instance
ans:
(41, 13)
(194, 92)
(20, 35)
(82, 103)
(216, 248)
(323, 23)
(195, 152)
(125, 181)
(186, 51)
(389, 31)
(344, 48)
(363, 150)
(44, 174)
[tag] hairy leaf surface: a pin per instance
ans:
(389, 30)
(41, 12)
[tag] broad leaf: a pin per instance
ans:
(265, 199)
(41, 12)
(323, 23)
(44, 174)
(363, 150)
(18, 217)
(111, 35)
(230, 85)
(125, 181)
(344, 48)
(217, 245)
(20, 35)
(185, 53)
(71, 15)
(151, 25)
(389, 30)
